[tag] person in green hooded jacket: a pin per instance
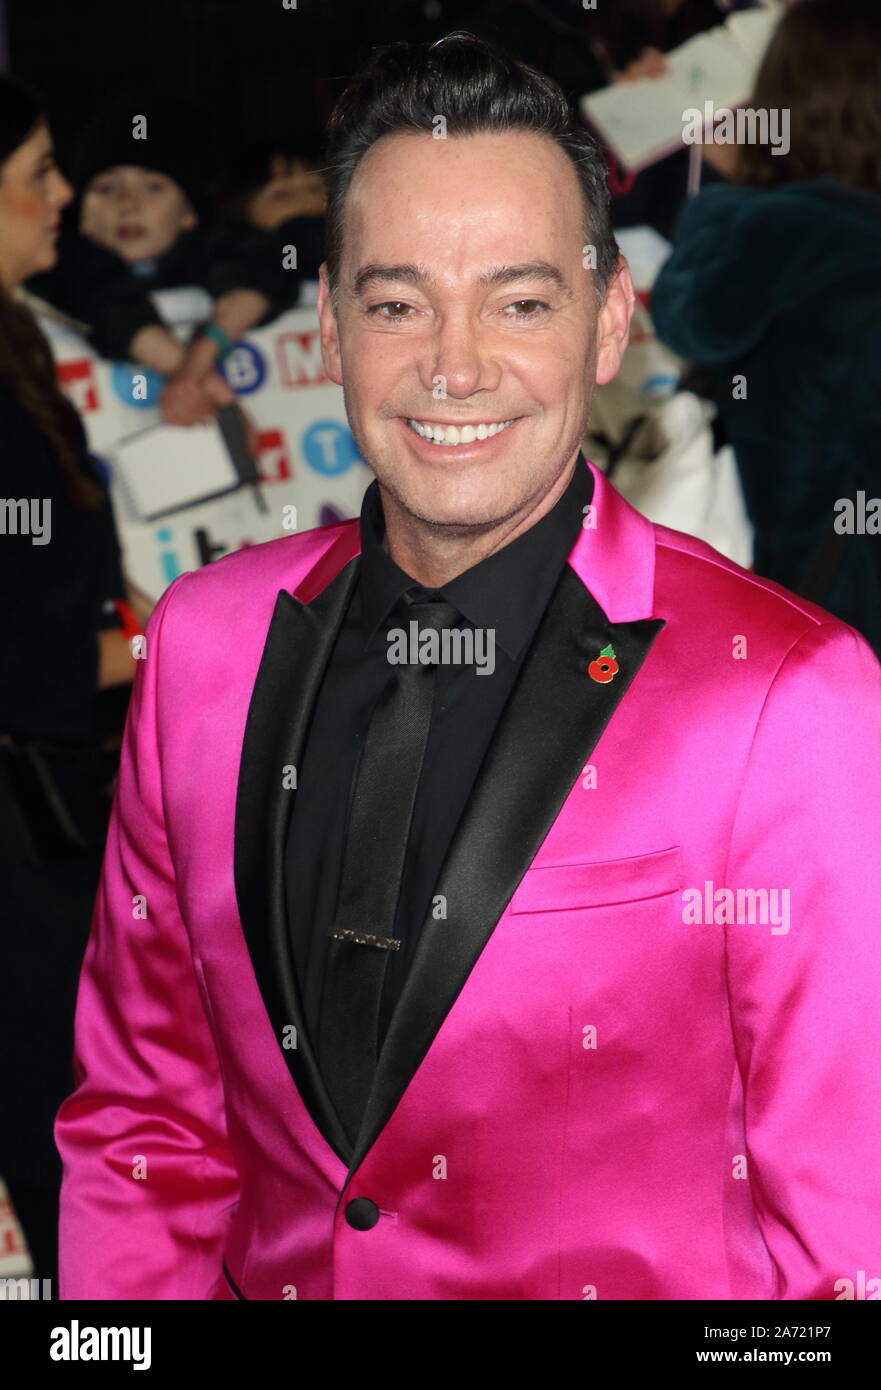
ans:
(773, 294)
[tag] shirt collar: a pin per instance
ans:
(507, 591)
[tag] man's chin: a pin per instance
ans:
(455, 514)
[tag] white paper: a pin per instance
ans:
(643, 121)
(168, 466)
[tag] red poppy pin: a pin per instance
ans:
(604, 667)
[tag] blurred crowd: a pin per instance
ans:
(773, 279)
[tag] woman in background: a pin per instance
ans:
(773, 290)
(60, 642)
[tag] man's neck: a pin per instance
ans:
(435, 555)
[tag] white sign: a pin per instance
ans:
(310, 470)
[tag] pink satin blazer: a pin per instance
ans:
(635, 1060)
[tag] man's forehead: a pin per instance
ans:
(484, 169)
(489, 198)
(502, 146)
(423, 276)
(507, 173)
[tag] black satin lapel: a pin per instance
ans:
(298, 646)
(550, 726)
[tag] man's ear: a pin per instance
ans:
(190, 217)
(330, 342)
(613, 323)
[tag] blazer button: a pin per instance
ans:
(362, 1213)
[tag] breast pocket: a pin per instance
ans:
(640, 877)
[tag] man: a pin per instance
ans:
(548, 970)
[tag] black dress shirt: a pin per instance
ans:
(507, 593)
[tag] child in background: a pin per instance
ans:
(276, 186)
(141, 227)
(270, 184)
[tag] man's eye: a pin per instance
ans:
(537, 306)
(376, 309)
(395, 310)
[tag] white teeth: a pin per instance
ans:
(454, 434)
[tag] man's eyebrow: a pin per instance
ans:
(498, 275)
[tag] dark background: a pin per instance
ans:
(254, 67)
(261, 74)
(257, 69)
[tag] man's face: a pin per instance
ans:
(138, 213)
(464, 300)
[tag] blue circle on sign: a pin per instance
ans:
(244, 368)
(142, 394)
(329, 448)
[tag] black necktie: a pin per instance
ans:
(362, 933)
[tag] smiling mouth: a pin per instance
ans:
(455, 435)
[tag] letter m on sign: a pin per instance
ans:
(299, 359)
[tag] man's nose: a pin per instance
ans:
(458, 363)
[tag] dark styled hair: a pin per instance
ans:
(27, 367)
(476, 88)
(823, 65)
